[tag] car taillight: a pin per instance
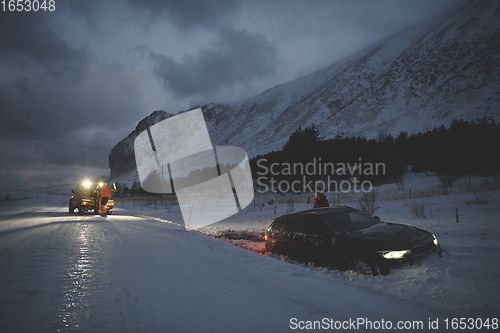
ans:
(266, 236)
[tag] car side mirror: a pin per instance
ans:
(73, 191)
(376, 218)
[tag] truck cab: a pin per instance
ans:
(85, 197)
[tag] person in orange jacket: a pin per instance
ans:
(104, 193)
(320, 200)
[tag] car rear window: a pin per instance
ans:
(350, 221)
(277, 225)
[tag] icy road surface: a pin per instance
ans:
(63, 272)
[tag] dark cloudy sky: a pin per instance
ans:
(87, 72)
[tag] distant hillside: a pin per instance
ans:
(419, 79)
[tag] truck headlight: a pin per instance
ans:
(394, 254)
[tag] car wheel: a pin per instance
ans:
(365, 266)
(80, 210)
(72, 209)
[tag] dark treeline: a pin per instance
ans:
(464, 148)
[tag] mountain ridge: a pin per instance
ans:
(423, 77)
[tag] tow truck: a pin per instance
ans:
(85, 197)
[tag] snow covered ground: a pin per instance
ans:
(137, 272)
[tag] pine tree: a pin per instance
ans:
(303, 145)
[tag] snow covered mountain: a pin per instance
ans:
(416, 80)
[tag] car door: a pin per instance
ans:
(295, 237)
(319, 244)
(283, 236)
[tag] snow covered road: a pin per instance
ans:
(63, 272)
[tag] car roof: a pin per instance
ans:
(321, 212)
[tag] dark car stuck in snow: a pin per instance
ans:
(348, 239)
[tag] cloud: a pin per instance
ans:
(26, 39)
(52, 91)
(237, 58)
(74, 76)
(37, 105)
(186, 14)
